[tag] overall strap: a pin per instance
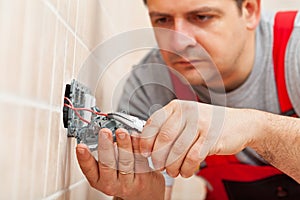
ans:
(283, 27)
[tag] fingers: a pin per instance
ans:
(106, 157)
(167, 135)
(125, 157)
(194, 157)
(88, 164)
(180, 151)
(152, 127)
(141, 164)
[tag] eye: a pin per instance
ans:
(201, 18)
(162, 21)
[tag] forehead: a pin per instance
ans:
(184, 6)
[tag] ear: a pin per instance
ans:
(251, 13)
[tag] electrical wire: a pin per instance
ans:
(71, 106)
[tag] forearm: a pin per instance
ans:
(278, 142)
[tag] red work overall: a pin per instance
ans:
(231, 179)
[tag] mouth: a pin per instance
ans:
(187, 63)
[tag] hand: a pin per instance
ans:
(123, 173)
(180, 135)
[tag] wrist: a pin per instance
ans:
(259, 123)
(258, 133)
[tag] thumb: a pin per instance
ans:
(88, 164)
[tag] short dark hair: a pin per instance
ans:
(238, 2)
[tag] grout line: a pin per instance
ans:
(17, 156)
(61, 19)
(25, 46)
(75, 42)
(14, 99)
(104, 11)
(50, 115)
(62, 92)
(37, 114)
(20, 122)
(61, 192)
(34, 157)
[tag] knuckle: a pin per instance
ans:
(150, 131)
(172, 172)
(165, 135)
(87, 171)
(145, 146)
(178, 148)
(126, 191)
(190, 160)
(108, 189)
(125, 147)
(107, 163)
(186, 174)
(126, 165)
(193, 156)
(174, 102)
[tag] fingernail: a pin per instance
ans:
(81, 151)
(121, 135)
(103, 134)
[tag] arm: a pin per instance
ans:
(183, 133)
(280, 143)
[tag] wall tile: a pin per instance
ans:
(39, 154)
(52, 162)
(78, 192)
(31, 46)
(69, 73)
(54, 3)
(46, 59)
(59, 65)
(81, 55)
(11, 38)
(10, 124)
(25, 150)
(63, 9)
(95, 194)
(73, 13)
(86, 21)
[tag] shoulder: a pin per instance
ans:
(153, 56)
(265, 37)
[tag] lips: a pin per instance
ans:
(187, 63)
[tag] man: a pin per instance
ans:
(183, 133)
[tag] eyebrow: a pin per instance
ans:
(206, 9)
(158, 14)
(196, 11)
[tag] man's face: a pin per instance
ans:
(216, 25)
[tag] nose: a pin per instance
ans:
(182, 36)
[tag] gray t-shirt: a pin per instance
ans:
(149, 86)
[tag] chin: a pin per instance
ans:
(194, 79)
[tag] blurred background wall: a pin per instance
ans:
(43, 45)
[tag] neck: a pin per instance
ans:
(243, 66)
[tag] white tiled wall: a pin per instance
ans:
(280, 4)
(43, 44)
